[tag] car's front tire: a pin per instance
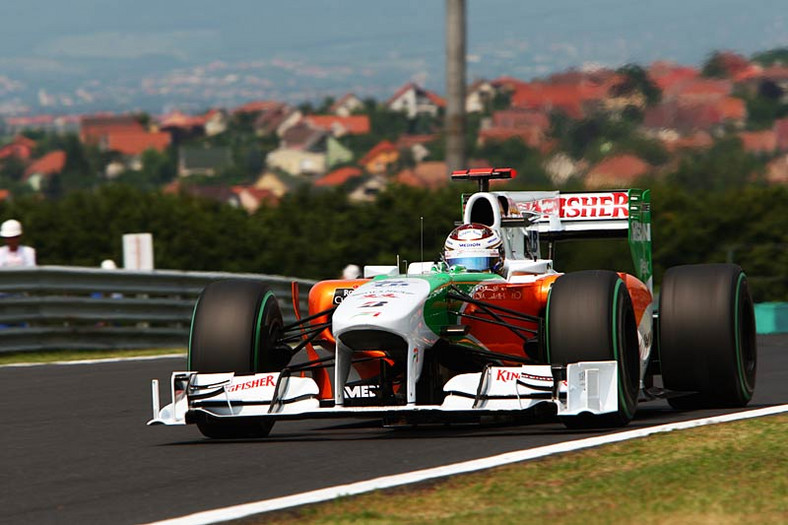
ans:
(590, 318)
(236, 327)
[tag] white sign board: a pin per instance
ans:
(138, 251)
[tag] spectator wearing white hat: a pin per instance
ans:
(13, 254)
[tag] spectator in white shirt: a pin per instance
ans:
(13, 254)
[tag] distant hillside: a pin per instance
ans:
(87, 55)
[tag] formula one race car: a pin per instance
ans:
(491, 329)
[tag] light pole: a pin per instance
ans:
(455, 84)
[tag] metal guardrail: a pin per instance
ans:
(72, 308)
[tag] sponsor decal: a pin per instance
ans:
(361, 391)
(373, 304)
(639, 231)
(506, 375)
(524, 376)
(387, 295)
(511, 375)
(389, 284)
(497, 293)
(366, 314)
(341, 293)
(610, 205)
(545, 207)
(469, 234)
(255, 383)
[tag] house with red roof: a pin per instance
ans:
(95, 130)
(5, 195)
(759, 142)
(689, 117)
(698, 90)
(338, 177)
(414, 100)
(20, 147)
(339, 126)
(181, 126)
(277, 120)
(666, 74)
(123, 134)
(43, 168)
(258, 106)
(572, 99)
(432, 174)
(250, 198)
(346, 105)
(179, 120)
(530, 126)
(618, 171)
(506, 84)
(380, 157)
(135, 143)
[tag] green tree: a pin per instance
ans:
(636, 80)
(772, 57)
(714, 66)
(723, 166)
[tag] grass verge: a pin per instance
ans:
(11, 358)
(719, 474)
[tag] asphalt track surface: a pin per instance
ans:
(74, 447)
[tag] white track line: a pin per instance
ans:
(96, 361)
(316, 496)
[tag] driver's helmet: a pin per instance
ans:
(476, 247)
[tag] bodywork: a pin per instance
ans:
(440, 341)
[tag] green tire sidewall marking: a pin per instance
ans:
(191, 336)
(258, 328)
(737, 335)
(621, 397)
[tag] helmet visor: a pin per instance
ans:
(473, 263)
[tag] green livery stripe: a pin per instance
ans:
(739, 365)
(191, 336)
(258, 329)
(622, 400)
(435, 311)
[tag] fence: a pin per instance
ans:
(69, 308)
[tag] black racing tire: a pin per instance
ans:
(707, 341)
(590, 318)
(236, 327)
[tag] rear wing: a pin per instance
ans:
(592, 215)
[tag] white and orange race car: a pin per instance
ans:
(443, 342)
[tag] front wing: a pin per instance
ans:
(585, 387)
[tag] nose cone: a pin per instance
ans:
(391, 304)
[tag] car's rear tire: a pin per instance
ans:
(236, 327)
(707, 339)
(590, 318)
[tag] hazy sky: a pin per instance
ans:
(199, 30)
(376, 43)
